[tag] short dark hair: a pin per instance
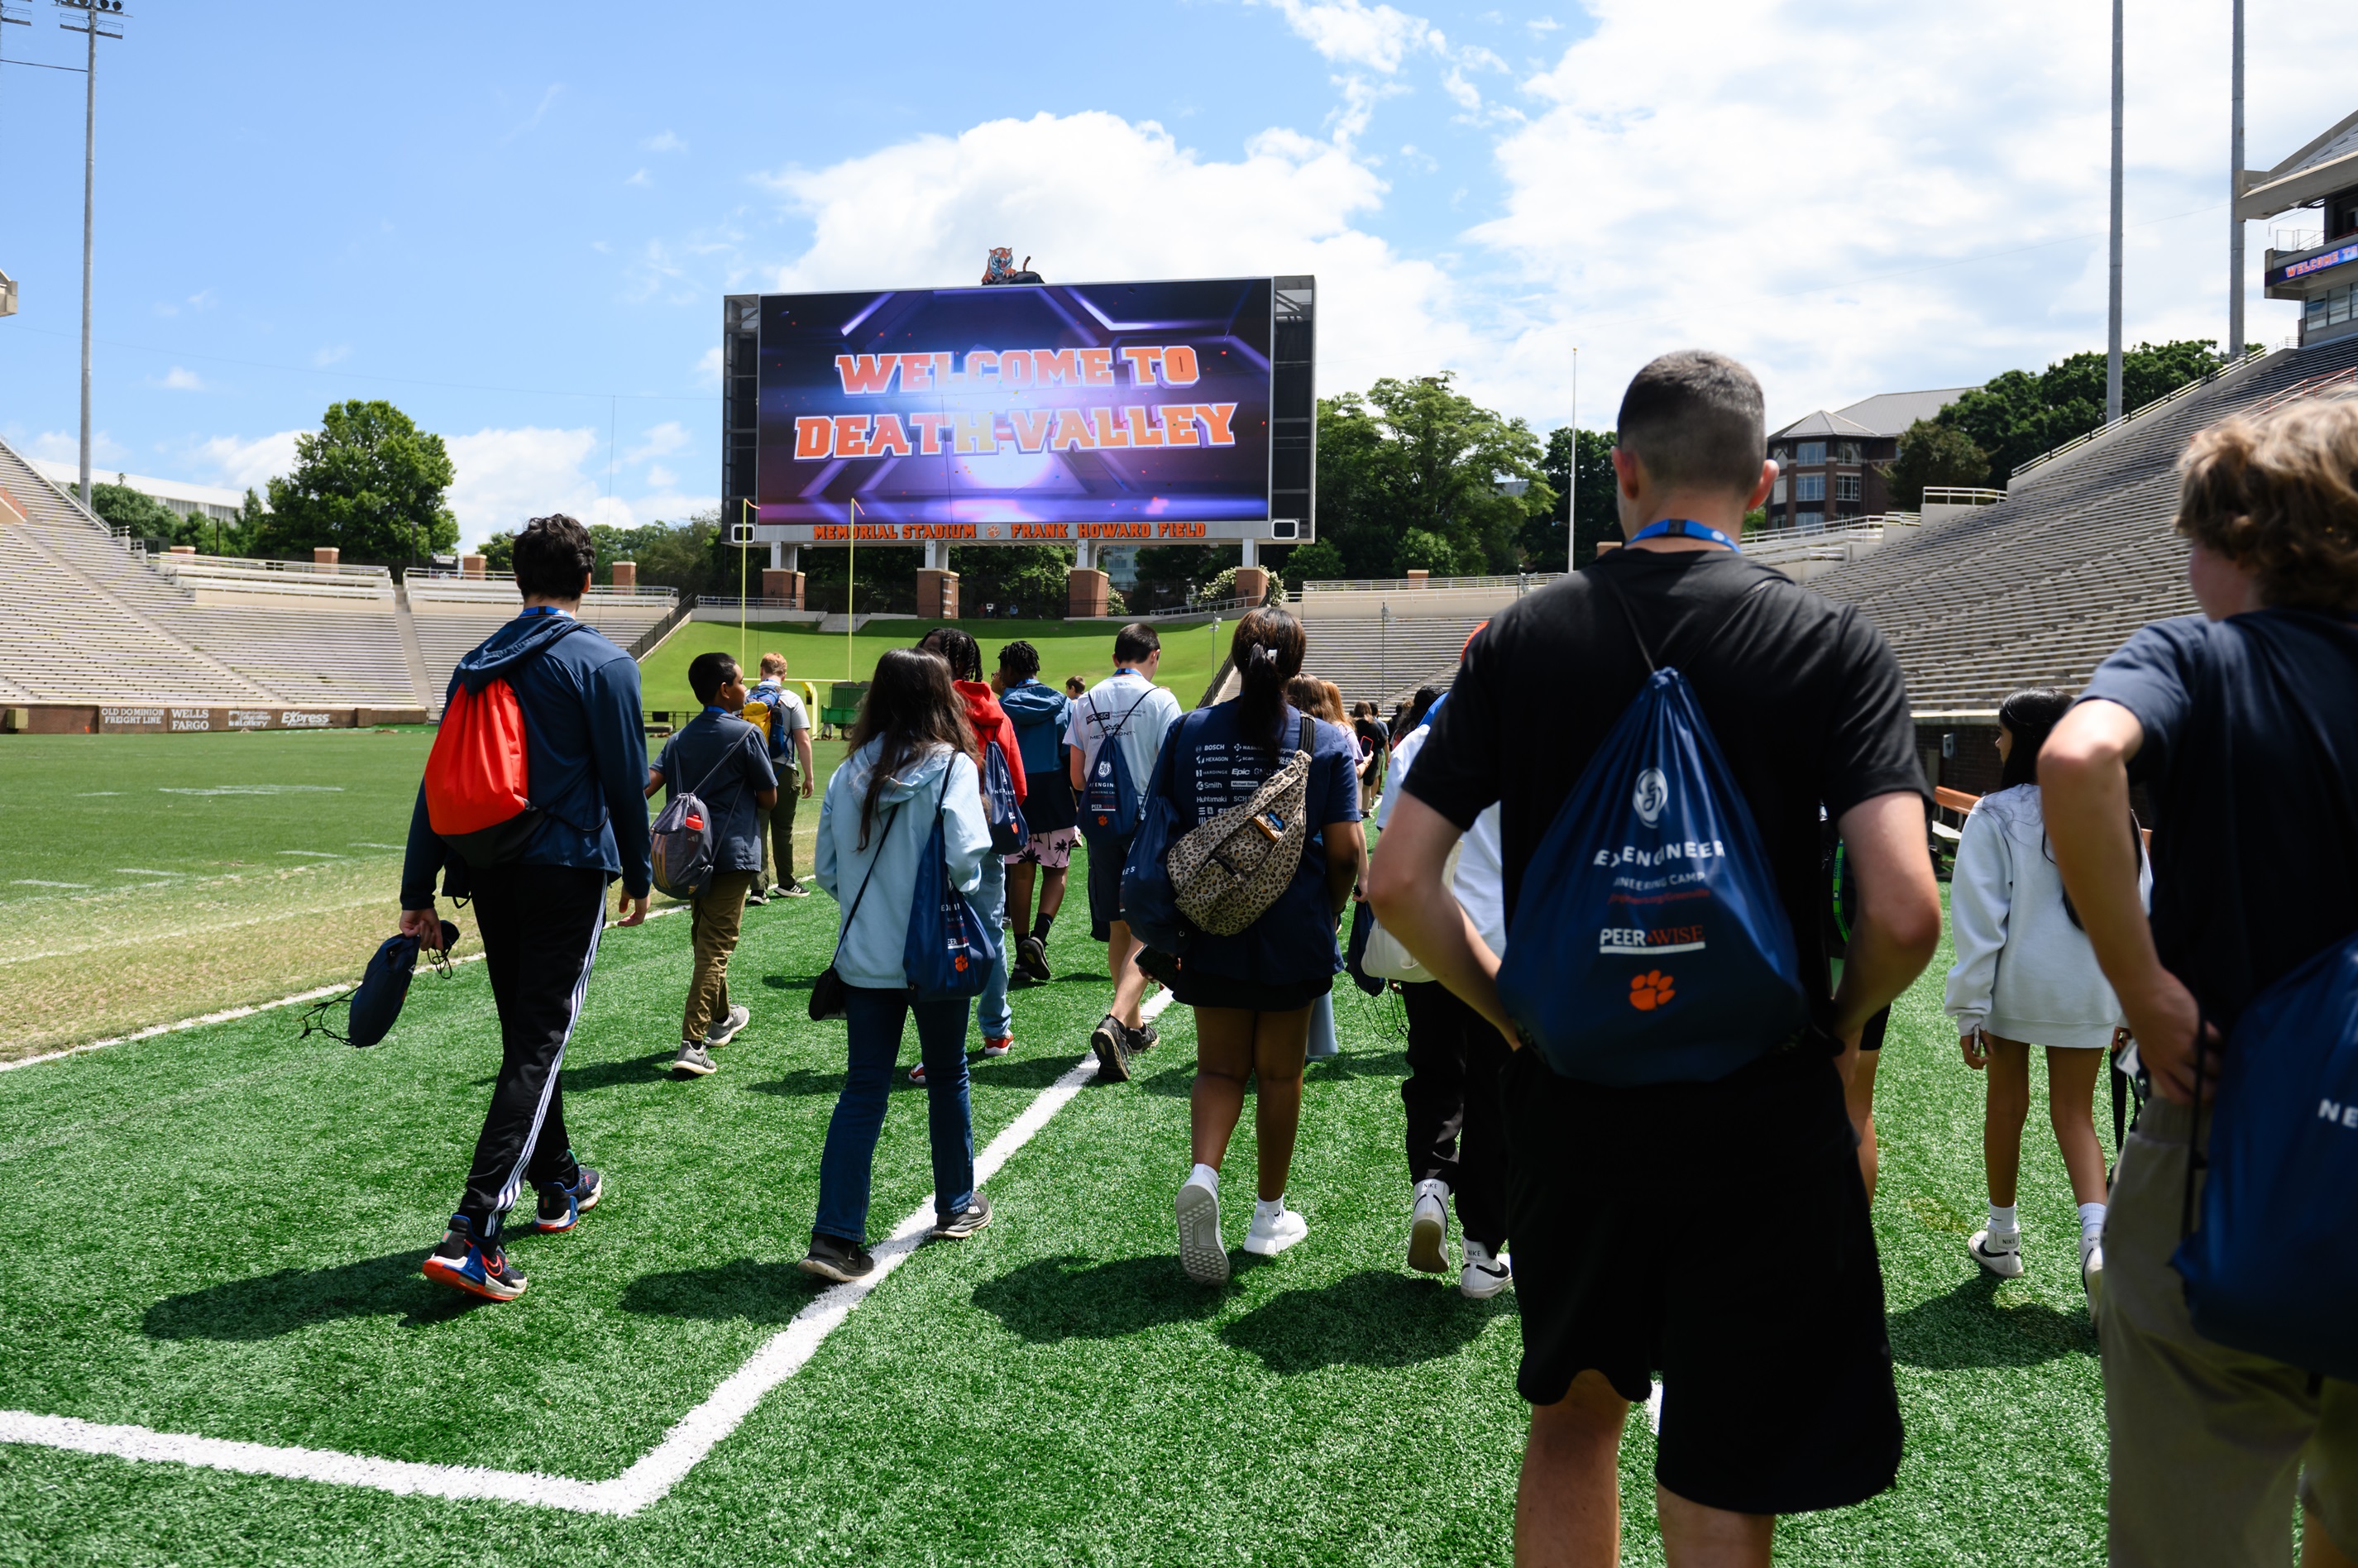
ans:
(1693, 418)
(1020, 660)
(708, 672)
(553, 557)
(1135, 641)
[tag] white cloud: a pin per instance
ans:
(708, 367)
(179, 379)
(933, 204)
(661, 440)
(664, 142)
(642, 178)
(1350, 32)
(333, 354)
(506, 476)
(242, 464)
(65, 447)
(1544, 25)
(661, 477)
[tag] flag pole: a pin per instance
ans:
(850, 555)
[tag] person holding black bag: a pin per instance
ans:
(2243, 725)
(911, 768)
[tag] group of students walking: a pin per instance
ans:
(1658, 1169)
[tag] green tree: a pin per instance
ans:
(2020, 414)
(498, 553)
(369, 482)
(1317, 561)
(136, 511)
(1419, 457)
(1599, 517)
(1933, 454)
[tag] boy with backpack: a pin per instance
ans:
(1664, 1189)
(1038, 712)
(2226, 1384)
(722, 762)
(784, 723)
(533, 848)
(1115, 735)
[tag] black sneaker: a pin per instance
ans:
(1110, 1040)
(757, 899)
(964, 1223)
(832, 1257)
(1142, 1038)
(1031, 960)
(561, 1207)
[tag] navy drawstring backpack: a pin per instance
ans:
(1109, 802)
(950, 949)
(1648, 943)
(372, 1006)
(1001, 809)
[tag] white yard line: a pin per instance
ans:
(647, 1481)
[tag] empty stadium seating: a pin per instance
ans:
(2040, 587)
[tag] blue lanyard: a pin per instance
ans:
(716, 707)
(1685, 528)
(540, 610)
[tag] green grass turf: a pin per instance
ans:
(1084, 649)
(217, 1232)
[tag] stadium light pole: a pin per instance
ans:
(2236, 192)
(1572, 477)
(91, 10)
(2112, 340)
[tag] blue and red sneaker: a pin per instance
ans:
(561, 1206)
(462, 1261)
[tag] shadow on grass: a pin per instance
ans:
(606, 1075)
(270, 1305)
(1375, 1318)
(789, 982)
(1969, 1327)
(740, 1289)
(1064, 1298)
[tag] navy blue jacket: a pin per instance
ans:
(585, 753)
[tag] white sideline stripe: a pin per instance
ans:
(226, 1014)
(647, 1482)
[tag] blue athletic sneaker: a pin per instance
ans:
(461, 1261)
(561, 1207)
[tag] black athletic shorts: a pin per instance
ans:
(1716, 1234)
(1106, 857)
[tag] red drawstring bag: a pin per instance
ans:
(478, 782)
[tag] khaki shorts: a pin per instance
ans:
(2210, 1446)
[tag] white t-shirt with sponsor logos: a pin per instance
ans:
(1150, 711)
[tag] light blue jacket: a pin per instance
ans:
(872, 946)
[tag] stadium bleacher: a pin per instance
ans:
(86, 617)
(2041, 587)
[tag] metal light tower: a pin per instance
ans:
(100, 19)
(2235, 197)
(2112, 352)
(1572, 477)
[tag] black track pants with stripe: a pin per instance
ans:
(539, 926)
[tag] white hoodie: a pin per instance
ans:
(2023, 971)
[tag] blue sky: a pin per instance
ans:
(517, 222)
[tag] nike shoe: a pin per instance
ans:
(917, 1073)
(1428, 1228)
(1201, 1251)
(562, 1206)
(1484, 1276)
(1031, 960)
(695, 1060)
(724, 1030)
(2091, 1271)
(997, 1045)
(964, 1223)
(1110, 1040)
(832, 1257)
(463, 1263)
(2001, 1254)
(1268, 1237)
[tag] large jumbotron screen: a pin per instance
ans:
(1018, 414)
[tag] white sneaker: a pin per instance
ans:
(2001, 1254)
(1267, 1238)
(1428, 1228)
(1484, 1276)
(1201, 1251)
(2091, 1271)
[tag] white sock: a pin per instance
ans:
(2092, 1219)
(1267, 1208)
(2002, 1220)
(1204, 1176)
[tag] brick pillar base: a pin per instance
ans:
(780, 584)
(626, 574)
(1084, 593)
(937, 595)
(472, 565)
(1252, 584)
(325, 556)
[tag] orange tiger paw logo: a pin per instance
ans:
(1650, 990)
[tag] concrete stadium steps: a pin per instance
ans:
(2040, 587)
(1380, 663)
(450, 616)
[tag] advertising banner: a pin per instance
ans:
(1017, 415)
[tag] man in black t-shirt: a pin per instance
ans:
(1663, 1227)
(2242, 723)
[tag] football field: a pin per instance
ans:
(215, 1346)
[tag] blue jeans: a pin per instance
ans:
(992, 1016)
(875, 1020)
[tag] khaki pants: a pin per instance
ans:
(2207, 1443)
(778, 823)
(714, 922)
